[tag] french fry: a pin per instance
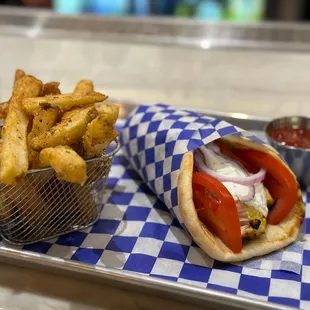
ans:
(44, 119)
(68, 131)
(84, 87)
(5, 211)
(64, 101)
(14, 155)
(108, 108)
(18, 75)
(68, 165)
(97, 150)
(4, 106)
(51, 88)
(100, 132)
(98, 136)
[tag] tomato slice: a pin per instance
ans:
(217, 209)
(229, 152)
(279, 181)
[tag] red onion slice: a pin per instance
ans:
(243, 229)
(243, 217)
(247, 180)
(217, 152)
(202, 157)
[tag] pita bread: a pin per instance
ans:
(275, 237)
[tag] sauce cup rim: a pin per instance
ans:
(289, 147)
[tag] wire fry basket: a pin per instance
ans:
(42, 207)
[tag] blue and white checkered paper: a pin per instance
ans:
(156, 137)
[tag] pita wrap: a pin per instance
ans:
(275, 237)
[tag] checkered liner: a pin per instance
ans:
(155, 138)
(137, 233)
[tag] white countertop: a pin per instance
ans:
(260, 83)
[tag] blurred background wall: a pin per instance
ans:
(212, 10)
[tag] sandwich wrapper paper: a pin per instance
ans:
(139, 229)
(154, 140)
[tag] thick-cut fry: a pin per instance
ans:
(44, 118)
(84, 87)
(99, 134)
(69, 130)
(18, 75)
(108, 108)
(4, 106)
(64, 101)
(68, 165)
(14, 155)
(51, 88)
(98, 149)
(99, 130)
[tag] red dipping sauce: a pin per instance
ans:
(297, 137)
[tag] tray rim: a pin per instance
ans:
(119, 278)
(138, 282)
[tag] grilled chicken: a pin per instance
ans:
(257, 223)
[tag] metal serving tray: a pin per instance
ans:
(133, 281)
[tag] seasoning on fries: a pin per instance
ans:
(84, 87)
(68, 131)
(50, 88)
(100, 132)
(68, 165)
(44, 118)
(45, 128)
(64, 101)
(14, 154)
(4, 106)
